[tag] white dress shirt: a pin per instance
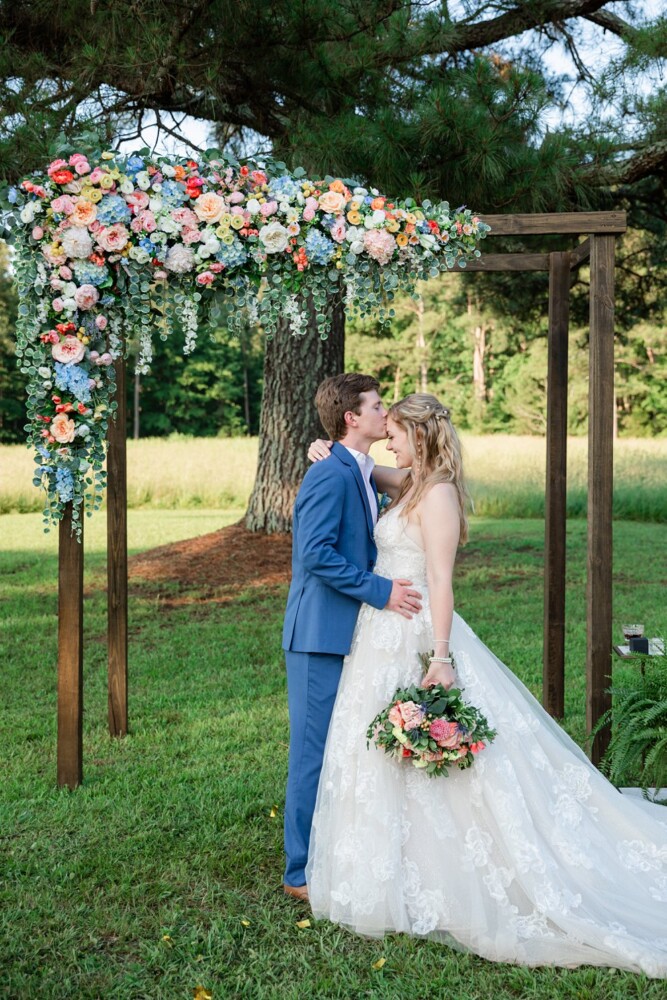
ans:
(366, 464)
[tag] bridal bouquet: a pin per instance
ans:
(431, 728)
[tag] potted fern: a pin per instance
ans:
(637, 752)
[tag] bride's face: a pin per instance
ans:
(397, 441)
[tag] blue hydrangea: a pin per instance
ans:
(64, 485)
(113, 209)
(232, 254)
(173, 192)
(283, 188)
(147, 245)
(89, 274)
(319, 248)
(74, 379)
(134, 164)
(12, 196)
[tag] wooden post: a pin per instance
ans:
(553, 681)
(70, 654)
(117, 558)
(600, 487)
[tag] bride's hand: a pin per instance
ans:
(440, 673)
(319, 449)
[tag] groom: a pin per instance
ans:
(332, 575)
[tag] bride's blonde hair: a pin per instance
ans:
(437, 451)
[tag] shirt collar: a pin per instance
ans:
(366, 462)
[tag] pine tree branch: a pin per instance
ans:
(647, 162)
(613, 23)
(523, 17)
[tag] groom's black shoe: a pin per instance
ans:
(299, 892)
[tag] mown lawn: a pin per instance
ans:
(163, 871)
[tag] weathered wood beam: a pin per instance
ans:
(600, 488)
(556, 222)
(70, 654)
(508, 262)
(553, 681)
(117, 559)
(580, 254)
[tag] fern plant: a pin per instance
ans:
(637, 752)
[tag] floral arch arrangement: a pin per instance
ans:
(112, 247)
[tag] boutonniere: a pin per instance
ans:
(384, 500)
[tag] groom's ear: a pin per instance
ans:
(350, 418)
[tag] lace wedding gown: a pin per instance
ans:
(530, 856)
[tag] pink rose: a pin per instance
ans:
(312, 203)
(308, 214)
(185, 217)
(56, 283)
(446, 734)
(62, 428)
(236, 210)
(190, 236)
(105, 359)
(96, 175)
(205, 278)
(86, 296)
(53, 337)
(217, 267)
(58, 305)
(339, 229)
(412, 715)
(113, 238)
(68, 351)
(37, 233)
(101, 322)
(138, 200)
(395, 716)
(63, 205)
(65, 272)
(268, 208)
(80, 163)
(236, 197)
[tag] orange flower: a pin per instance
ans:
(179, 173)
(377, 204)
(410, 228)
(402, 240)
(338, 186)
(354, 218)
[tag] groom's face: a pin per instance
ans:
(371, 421)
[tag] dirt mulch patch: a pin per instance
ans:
(214, 567)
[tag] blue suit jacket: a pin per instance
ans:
(333, 557)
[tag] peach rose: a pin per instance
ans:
(412, 714)
(395, 716)
(209, 207)
(86, 296)
(332, 202)
(84, 213)
(68, 351)
(113, 238)
(62, 428)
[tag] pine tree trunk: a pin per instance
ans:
(293, 369)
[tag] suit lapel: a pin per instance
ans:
(341, 452)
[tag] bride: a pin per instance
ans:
(530, 856)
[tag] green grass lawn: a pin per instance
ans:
(163, 871)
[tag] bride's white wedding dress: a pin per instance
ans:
(530, 856)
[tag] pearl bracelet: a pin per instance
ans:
(440, 659)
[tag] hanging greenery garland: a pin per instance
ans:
(112, 247)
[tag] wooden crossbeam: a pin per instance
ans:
(508, 262)
(556, 222)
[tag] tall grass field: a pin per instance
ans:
(506, 475)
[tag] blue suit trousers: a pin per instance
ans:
(312, 682)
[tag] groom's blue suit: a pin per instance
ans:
(333, 558)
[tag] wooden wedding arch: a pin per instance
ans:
(600, 230)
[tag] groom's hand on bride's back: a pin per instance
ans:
(404, 599)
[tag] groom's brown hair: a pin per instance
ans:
(338, 394)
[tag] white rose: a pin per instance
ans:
(362, 192)
(28, 212)
(126, 186)
(357, 246)
(44, 372)
(68, 290)
(285, 207)
(157, 186)
(167, 225)
(157, 237)
(140, 255)
(168, 171)
(143, 180)
(427, 241)
(69, 305)
(354, 234)
(253, 206)
(274, 237)
(155, 204)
